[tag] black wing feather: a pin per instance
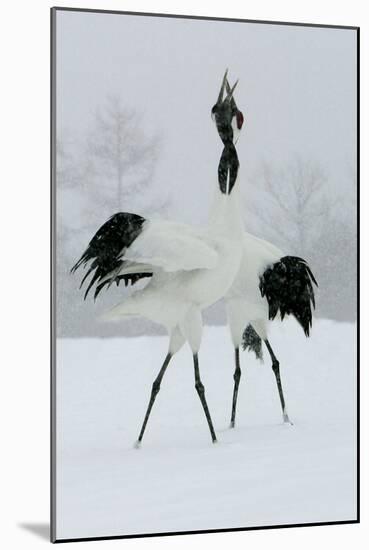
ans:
(287, 286)
(106, 251)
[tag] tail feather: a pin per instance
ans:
(287, 286)
(251, 341)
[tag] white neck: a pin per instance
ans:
(225, 214)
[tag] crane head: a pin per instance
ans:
(225, 113)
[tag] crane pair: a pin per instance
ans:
(192, 268)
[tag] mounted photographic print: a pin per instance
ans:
(204, 274)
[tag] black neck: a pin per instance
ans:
(228, 168)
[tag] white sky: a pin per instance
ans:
(297, 91)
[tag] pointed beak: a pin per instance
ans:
(230, 91)
(239, 115)
(220, 96)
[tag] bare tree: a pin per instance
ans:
(68, 182)
(111, 169)
(121, 158)
(295, 207)
(291, 204)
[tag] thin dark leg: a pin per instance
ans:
(236, 378)
(275, 367)
(154, 392)
(201, 391)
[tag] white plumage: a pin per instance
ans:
(244, 302)
(268, 285)
(189, 268)
(173, 247)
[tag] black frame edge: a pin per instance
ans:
(52, 275)
(358, 269)
(204, 18)
(209, 531)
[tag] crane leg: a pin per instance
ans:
(236, 378)
(201, 392)
(154, 392)
(275, 367)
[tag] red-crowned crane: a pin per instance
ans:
(268, 284)
(189, 268)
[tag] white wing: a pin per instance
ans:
(172, 247)
(260, 251)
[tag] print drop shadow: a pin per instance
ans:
(42, 530)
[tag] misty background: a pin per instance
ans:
(134, 133)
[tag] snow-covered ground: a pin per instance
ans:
(261, 473)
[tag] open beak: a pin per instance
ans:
(224, 82)
(230, 91)
(225, 110)
(239, 115)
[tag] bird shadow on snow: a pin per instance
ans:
(42, 530)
